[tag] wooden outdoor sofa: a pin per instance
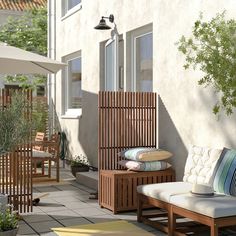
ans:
(176, 200)
(126, 120)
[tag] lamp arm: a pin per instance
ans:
(111, 18)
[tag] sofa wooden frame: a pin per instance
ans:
(126, 120)
(147, 218)
(213, 223)
(173, 212)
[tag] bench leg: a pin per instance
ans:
(172, 222)
(139, 209)
(49, 168)
(58, 169)
(214, 229)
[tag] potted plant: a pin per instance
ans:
(8, 222)
(79, 164)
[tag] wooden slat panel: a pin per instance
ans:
(15, 166)
(126, 119)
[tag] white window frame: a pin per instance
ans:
(115, 40)
(69, 112)
(134, 36)
(65, 12)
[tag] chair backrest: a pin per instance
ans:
(53, 146)
(126, 119)
(40, 137)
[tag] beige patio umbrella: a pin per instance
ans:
(14, 60)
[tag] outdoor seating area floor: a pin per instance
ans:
(68, 204)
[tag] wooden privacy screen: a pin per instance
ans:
(15, 166)
(126, 119)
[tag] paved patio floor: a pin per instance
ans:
(68, 204)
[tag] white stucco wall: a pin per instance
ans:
(185, 114)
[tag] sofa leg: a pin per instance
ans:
(214, 229)
(139, 209)
(171, 222)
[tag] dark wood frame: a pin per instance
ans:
(126, 120)
(16, 166)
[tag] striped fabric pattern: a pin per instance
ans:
(145, 154)
(225, 173)
(144, 166)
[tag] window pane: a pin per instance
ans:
(144, 62)
(110, 67)
(74, 83)
(72, 3)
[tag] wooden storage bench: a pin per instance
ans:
(118, 187)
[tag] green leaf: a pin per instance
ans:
(212, 49)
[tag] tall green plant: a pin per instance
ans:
(15, 126)
(212, 49)
(28, 32)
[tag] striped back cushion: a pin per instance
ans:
(225, 173)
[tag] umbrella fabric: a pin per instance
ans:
(14, 60)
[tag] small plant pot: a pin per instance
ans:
(75, 169)
(11, 232)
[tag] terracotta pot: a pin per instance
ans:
(75, 169)
(12, 232)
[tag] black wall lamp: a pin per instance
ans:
(102, 24)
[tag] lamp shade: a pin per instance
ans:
(102, 25)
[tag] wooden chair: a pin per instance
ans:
(48, 151)
(126, 120)
(40, 136)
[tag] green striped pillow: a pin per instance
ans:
(225, 173)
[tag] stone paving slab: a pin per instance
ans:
(74, 221)
(68, 204)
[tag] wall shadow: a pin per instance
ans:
(169, 139)
(88, 127)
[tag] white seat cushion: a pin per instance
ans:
(215, 207)
(164, 191)
(41, 154)
(200, 165)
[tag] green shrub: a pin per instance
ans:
(212, 49)
(8, 220)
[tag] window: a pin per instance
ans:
(70, 5)
(143, 63)
(73, 85)
(74, 82)
(113, 64)
(142, 60)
